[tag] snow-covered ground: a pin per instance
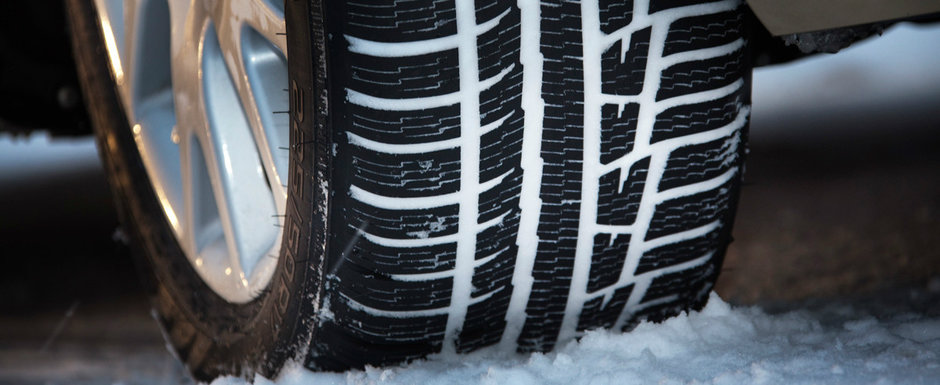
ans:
(37, 156)
(891, 339)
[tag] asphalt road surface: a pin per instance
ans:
(842, 200)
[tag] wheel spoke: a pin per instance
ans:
(149, 89)
(125, 38)
(204, 86)
(264, 16)
(187, 26)
(245, 201)
(266, 79)
(252, 55)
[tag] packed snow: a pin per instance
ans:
(865, 342)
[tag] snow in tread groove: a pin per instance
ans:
(595, 43)
(836, 344)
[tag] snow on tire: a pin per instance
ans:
(516, 173)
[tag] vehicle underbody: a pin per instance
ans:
(39, 87)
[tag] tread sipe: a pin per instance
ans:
(516, 173)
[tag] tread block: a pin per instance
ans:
(705, 31)
(400, 20)
(615, 14)
(697, 76)
(618, 204)
(397, 260)
(496, 274)
(687, 285)
(689, 119)
(595, 314)
(378, 290)
(501, 200)
(485, 322)
(677, 253)
(498, 48)
(346, 339)
(487, 10)
(618, 130)
(405, 77)
(400, 224)
(501, 148)
(607, 260)
(700, 162)
(622, 73)
(407, 175)
(404, 127)
(690, 211)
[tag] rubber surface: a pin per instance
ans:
(516, 174)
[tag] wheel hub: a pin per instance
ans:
(204, 85)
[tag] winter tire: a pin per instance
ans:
(460, 173)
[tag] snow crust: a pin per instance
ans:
(837, 344)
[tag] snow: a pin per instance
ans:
(869, 341)
(36, 156)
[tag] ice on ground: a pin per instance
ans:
(834, 344)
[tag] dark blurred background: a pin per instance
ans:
(842, 199)
(842, 188)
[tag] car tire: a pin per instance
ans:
(465, 174)
(602, 181)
